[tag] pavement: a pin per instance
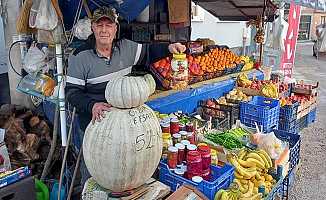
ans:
(310, 181)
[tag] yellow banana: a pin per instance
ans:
(250, 190)
(244, 181)
(253, 197)
(267, 166)
(246, 164)
(257, 162)
(241, 188)
(242, 171)
(225, 195)
(242, 153)
(267, 157)
(255, 156)
(237, 175)
(258, 177)
(218, 195)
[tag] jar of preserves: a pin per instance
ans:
(190, 127)
(191, 137)
(205, 153)
(179, 66)
(184, 135)
(214, 159)
(181, 153)
(176, 138)
(206, 174)
(165, 126)
(185, 143)
(172, 157)
(194, 164)
(167, 142)
(191, 147)
(179, 172)
(182, 127)
(174, 126)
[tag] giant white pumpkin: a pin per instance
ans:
(150, 82)
(123, 150)
(127, 92)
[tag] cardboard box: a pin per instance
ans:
(185, 192)
(21, 190)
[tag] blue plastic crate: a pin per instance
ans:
(264, 111)
(294, 141)
(288, 126)
(289, 112)
(277, 187)
(311, 117)
(287, 183)
(222, 177)
(302, 123)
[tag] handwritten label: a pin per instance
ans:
(146, 141)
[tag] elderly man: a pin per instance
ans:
(103, 57)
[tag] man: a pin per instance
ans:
(91, 66)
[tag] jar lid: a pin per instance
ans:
(191, 147)
(163, 116)
(179, 172)
(179, 56)
(165, 124)
(197, 179)
(174, 120)
(182, 125)
(190, 133)
(183, 133)
(166, 135)
(201, 144)
(180, 146)
(189, 124)
(185, 142)
(173, 149)
(176, 135)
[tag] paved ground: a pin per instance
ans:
(311, 178)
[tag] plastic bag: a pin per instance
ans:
(270, 143)
(46, 18)
(4, 156)
(34, 60)
(83, 29)
(280, 27)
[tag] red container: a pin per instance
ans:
(194, 164)
(172, 157)
(181, 152)
(190, 127)
(206, 174)
(174, 126)
(205, 153)
(191, 137)
(165, 127)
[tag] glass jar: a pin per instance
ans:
(165, 127)
(181, 153)
(179, 66)
(174, 126)
(205, 153)
(179, 172)
(194, 164)
(184, 135)
(185, 143)
(214, 159)
(190, 127)
(182, 127)
(191, 137)
(167, 142)
(176, 138)
(172, 157)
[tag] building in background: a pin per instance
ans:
(205, 25)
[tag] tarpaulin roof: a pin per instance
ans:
(238, 10)
(128, 9)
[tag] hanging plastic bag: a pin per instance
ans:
(46, 18)
(34, 60)
(33, 13)
(83, 29)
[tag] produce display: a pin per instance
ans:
(231, 139)
(249, 63)
(235, 95)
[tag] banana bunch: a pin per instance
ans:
(230, 194)
(251, 172)
(270, 90)
(243, 80)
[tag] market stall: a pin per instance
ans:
(212, 124)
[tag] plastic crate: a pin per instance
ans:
(288, 126)
(289, 112)
(287, 183)
(264, 111)
(274, 191)
(221, 111)
(221, 178)
(302, 123)
(311, 117)
(294, 141)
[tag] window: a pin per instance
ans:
(197, 13)
(322, 19)
(304, 27)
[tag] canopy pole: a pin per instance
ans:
(262, 25)
(62, 108)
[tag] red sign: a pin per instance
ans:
(287, 61)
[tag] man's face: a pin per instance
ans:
(104, 31)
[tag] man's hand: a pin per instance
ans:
(177, 48)
(98, 111)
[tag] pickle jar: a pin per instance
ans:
(167, 142)
(179, 65)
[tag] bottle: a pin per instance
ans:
(167, 142)
(214, 159)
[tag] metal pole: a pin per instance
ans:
(58, 50)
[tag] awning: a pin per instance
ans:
(238, 10)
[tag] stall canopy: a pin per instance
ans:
(238, 10)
